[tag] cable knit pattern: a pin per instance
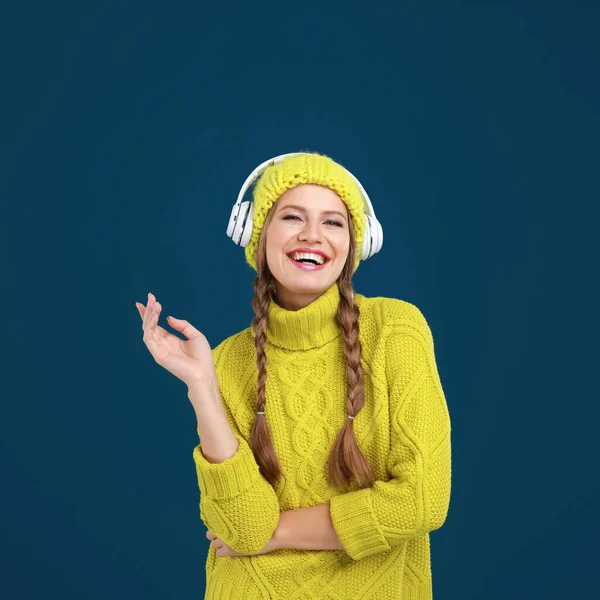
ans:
(404, 430)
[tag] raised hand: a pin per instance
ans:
(190, 360)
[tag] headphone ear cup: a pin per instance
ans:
(367, 240)
(377, 236)
(239, 228)
(373, 239)
(247, 224)
(233, 218)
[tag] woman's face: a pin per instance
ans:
(306, 216)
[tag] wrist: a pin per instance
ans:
(204, 394)
(202, 384)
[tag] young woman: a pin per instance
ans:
(324, 459)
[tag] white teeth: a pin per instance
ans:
(298, 255)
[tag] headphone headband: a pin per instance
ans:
(239, 228)
(277, 159)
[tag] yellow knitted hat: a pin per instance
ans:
(298, 169)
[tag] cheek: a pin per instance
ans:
(342, 245)
(274, 250)
(276, 239)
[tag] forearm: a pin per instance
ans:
(307, 528)
(217, 439)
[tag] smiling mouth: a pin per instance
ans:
(308, 261)
(308, 264)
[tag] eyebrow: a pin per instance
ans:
(325, 212)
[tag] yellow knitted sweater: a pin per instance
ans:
(403, 429)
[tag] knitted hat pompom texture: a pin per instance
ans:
(296, 170)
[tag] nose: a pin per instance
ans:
(311, 232)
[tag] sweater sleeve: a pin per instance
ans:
(237, 503)
(416, 498)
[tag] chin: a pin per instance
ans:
(303, 282)
(297, 285)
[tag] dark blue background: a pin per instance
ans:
(127, 130)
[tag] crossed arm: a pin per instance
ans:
(309, 528)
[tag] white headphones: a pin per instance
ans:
(239, 228)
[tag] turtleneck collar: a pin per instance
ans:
(309, 327)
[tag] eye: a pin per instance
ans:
(296, 217)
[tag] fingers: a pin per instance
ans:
(143, 310)
(188, 330)
(216, 543)
(150, 319)
(149, 313)
(155, 313)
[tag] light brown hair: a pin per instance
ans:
(346, 461)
